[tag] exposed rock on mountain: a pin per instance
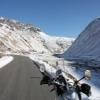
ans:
(16, 37)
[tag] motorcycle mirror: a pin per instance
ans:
(87, 74)
(42, 68)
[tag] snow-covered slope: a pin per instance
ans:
(87, 45)
(16, 37)
(56, 44)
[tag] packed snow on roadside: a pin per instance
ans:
(48, 68)
(5, 60)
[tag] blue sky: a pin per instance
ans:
(55, 17)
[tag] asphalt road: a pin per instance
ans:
(16, 82)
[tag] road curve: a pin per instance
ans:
(16, 82)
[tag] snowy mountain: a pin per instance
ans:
(56, 44)
(16, 37)
(87, 45)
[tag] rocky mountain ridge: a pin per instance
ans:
(16, 37)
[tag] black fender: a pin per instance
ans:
(86, 89)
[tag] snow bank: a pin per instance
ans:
(51, 70)
(5, 60)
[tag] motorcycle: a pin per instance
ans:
(63, 86)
